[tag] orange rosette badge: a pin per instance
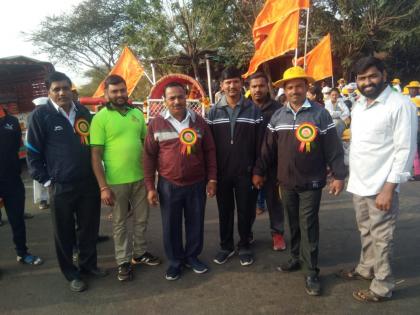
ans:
(82, 128)
(306, 134)
(187, 137)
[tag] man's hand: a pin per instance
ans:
(384, 198)
(257, 181)
(336, 186)
(211, 188)
(152, 198)
(107, 196)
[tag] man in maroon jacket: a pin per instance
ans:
(180, 147)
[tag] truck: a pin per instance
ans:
(22, 79)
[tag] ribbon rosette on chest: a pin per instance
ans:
(187, 137)
(82, 128)
(306, 134)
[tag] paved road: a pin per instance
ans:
(227, 289)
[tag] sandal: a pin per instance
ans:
(29, 259)
(369, 296)
(352, 275)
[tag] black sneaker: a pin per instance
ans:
(173, 273)
(222, 256)
(196, 265)
(312, 285)
(125, 272)
(289, 266)
(246, 258)
(146, 259)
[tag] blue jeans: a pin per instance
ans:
(261, 199)
(177, 203)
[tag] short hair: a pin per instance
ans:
(367, 62)
(230, 73)
(257, 75)
(335, 90)
(113, 79)
(55, 77)
(174, 84)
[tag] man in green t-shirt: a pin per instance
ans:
(117, 135)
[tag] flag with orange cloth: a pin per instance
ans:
(129, 68)
(282, 38)
(319, 60)
(273, 11)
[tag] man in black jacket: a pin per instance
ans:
(258, 86)
(236, 126)
(12, 190)
(301, 137)
(59, 158)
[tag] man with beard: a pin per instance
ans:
(117, 136)
(236, 127)
(59, 158)
(258, 86)
(383, 142)
(302, 140)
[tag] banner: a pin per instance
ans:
(319, 60)
(282, 38)
(129, 68)
(273, 11)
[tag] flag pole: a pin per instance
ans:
(209, 78)
(296, 56)
(153, 73)
(306, 38)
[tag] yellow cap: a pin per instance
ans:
(396, 81)
(293, 73)
(405, 90)
(413, 84)
(346, 134)
(345, 91)
(247, 93)
(416, 101)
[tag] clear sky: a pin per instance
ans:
(24, 16)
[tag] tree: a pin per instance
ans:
(187, 28)
(90, 36)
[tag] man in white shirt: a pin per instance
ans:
(382, 150)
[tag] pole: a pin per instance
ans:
(306, 38)
(295, 59)
(148, 78)
(332, 81)
(153, 73)
(209, 79)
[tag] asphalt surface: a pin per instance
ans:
(225, 289)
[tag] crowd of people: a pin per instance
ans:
(287, 150)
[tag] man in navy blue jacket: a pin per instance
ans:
(12, 190)
(59, 158)
(236, 126)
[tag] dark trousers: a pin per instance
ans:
(229, 190)
(302, 209)
(13, 193)
(176, 203)
(270, 194)
(72, 204)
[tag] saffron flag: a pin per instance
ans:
(319, 60)
(273, 11)
(282, 38)
(129, 68)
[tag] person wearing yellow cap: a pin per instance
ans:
(414, 89)
(396, 84)
(302, 140)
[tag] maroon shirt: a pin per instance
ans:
(162, 153)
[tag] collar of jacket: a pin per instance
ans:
(306, 105)
(268, 104)
(223, 102)
(193, 115)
